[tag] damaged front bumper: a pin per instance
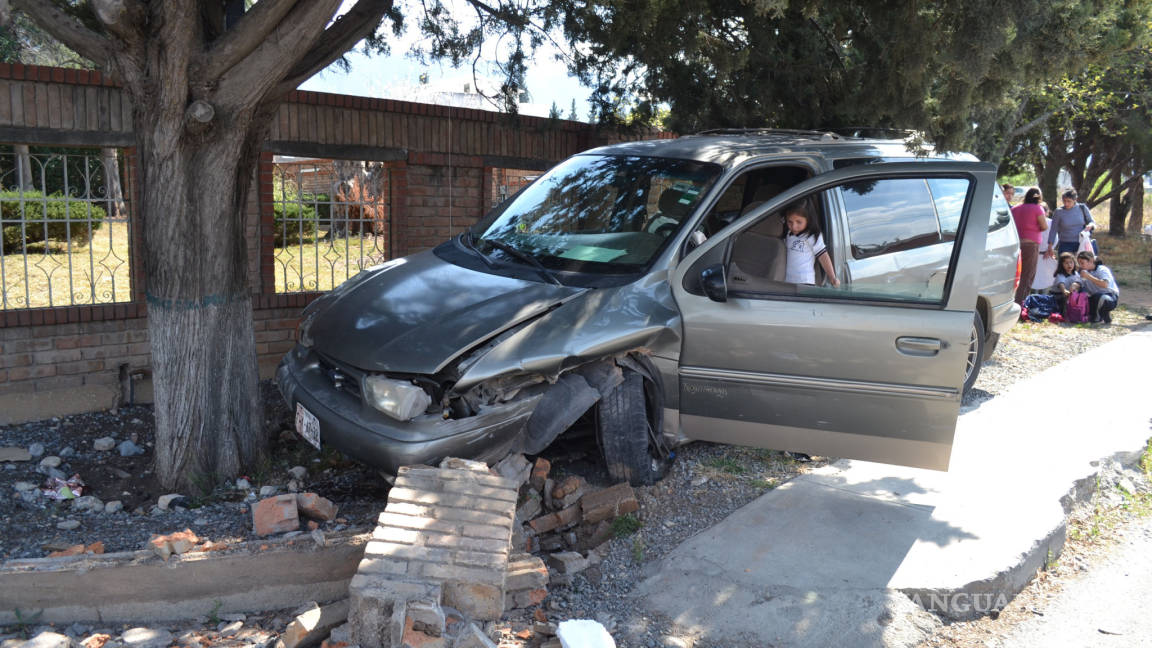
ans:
(367, 435)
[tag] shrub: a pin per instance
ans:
(294, 222)
(31, 217)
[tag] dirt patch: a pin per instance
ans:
(35, 524)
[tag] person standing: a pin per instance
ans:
(1030, 223)
(1067, 223)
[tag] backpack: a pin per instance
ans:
(1076, 310)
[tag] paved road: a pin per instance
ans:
(1110, 605)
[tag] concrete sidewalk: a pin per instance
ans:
(853, 553)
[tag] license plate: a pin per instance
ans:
(307, 425)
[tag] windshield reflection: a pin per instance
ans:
(596, 214)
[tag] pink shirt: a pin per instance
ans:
(1025, 216)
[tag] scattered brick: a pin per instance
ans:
(74, 550)
(275, 515)
(315, 507)
(540, 472)
(609, 503)
(558, 520)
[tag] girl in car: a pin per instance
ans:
(805, 248)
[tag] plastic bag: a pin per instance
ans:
(1085, 243)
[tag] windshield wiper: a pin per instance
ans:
(469, 241)
(527, 258)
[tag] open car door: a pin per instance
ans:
(872, 370)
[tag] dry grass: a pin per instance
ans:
(1129, 259)
(51, 274)
(317, 264)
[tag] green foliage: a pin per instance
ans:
(297, 216)
(625, 525)
(30, 217)
(932, 67)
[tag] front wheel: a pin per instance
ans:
(975, 358)
(628, 426)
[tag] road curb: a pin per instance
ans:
(979, 598)
(138, 586)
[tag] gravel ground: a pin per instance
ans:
(707, 482)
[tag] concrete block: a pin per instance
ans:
(473, 637)
(532, 507)
(514, 467)
(482, 601)
(525, 572)
(373, 603)
(609, 503)
(568, 562)
(275, 515)
(313, 625)
(426, 617)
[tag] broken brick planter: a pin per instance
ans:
(139, 586)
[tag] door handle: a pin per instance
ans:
(918, 346)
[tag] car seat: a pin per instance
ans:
(759, 259)
(671, 211)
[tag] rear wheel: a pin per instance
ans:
(975, 358)
(628, 428)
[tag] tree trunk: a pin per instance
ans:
(25, 181)
(1136, 221)
(1048, 178)
(114, 191)
(207, 406)
(1118, 207)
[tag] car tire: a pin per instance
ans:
(975, 354)
(628, 424)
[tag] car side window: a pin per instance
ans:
(901, 234)
(886, 216)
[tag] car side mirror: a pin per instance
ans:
(714, 283)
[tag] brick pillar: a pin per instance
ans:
(445, 535)
(267, 224)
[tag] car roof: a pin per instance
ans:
(729, 147)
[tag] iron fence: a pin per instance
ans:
(331, 219)
(66, 228)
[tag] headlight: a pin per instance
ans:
(401, 400)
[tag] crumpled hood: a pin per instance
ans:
(418, 313)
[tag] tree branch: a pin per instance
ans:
(241, 40)
(68, 30)
(124, 18)
(359, 23)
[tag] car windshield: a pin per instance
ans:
(607, 214)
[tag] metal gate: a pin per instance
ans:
(332, 219)
(66, 229)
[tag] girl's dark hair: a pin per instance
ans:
(1060, 264)
(1085, 254)
(1032, 197)
(812, 229)
(1071, 193)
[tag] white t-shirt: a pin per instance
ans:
(802, 253)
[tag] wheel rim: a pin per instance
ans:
(973, 352)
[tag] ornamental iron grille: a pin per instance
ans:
(66, 225)
(331, 219)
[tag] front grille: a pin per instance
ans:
(342, 376)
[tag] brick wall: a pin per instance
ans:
(56, 361)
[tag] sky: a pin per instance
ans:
(397, 76)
